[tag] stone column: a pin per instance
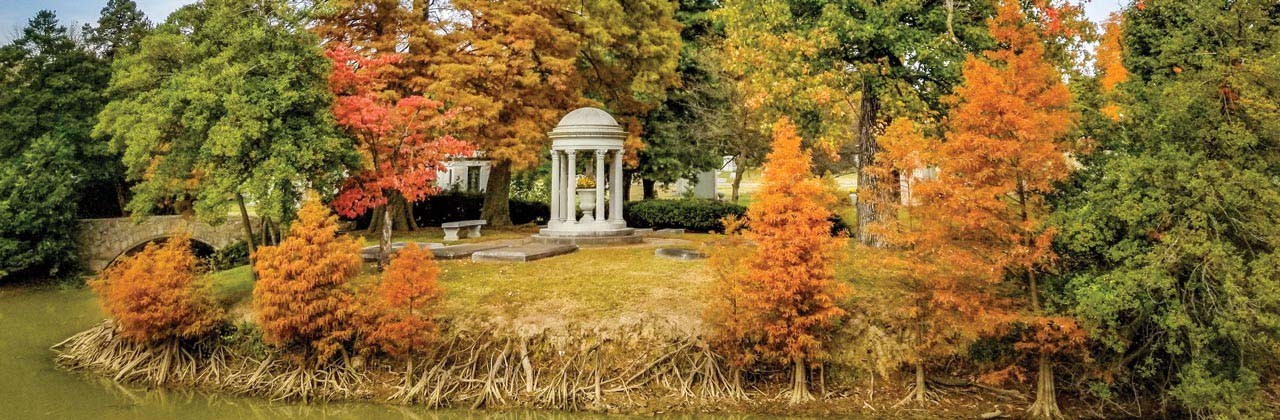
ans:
(615, 188)
(555, 218)
(572, 199)
(600, 185)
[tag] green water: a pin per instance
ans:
(31, 387)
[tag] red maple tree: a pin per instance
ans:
(403, 140)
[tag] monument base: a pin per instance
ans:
(597, 236)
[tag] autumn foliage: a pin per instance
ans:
(983, 218)
(301, 298)
(1110, 66)
(157, 295)
(405, 303)
(786, 301)
(402, 140)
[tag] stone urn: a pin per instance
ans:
(587, 203)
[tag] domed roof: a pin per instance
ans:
(588, 116)
(588, 124)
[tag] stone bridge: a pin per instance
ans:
(101, 241)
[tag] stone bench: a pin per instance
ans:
(472, 226)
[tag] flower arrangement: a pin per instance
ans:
(586, 182)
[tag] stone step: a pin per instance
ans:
(455, 252)
(523, 253)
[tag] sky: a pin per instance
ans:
(74, 13)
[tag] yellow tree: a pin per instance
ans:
(629, 56)
(513, 76)
(791, 300)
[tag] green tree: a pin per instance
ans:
(50, 90)
(120, 29)
(847, 67)
(679, 144)
(227, 99)
(1173, 237)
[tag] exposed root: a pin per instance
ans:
(465, 369)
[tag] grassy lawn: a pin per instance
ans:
(592, 288)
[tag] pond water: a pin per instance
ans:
(31, 387)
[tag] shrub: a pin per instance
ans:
(156, 295)
(405, 304)
(455, 205)
(698, 215)
(301, 297)
(230, 256)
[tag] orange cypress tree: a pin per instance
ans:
(301, 298)
(156, 295)
(792, 295)
(407, 297)
(728, 315)
(949, 301)
(1006, 148)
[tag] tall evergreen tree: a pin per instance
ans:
(120, 29)
(50, 90)
(1174, 241)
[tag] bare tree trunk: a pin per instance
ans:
(738, 172)
(867, 149)
(121, 197)
(248, 232)
(497, 204)
(626, 185)
(1046, 404)
(375, 222)
(384, 243)
(650, 188)
(799, 383)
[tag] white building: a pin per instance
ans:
(465, 175)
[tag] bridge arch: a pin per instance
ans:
(101, 241)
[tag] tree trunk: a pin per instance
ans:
(867, 149)
(799, 383)
(413, 219)
(626, 185)
(384, 243)
(650, 188)
(375, 222)
(121, 197)
(497, 195)
(248, 232)
(400, 213)
(1046, 404)
(738, 172)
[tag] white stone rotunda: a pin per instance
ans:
(587, 148)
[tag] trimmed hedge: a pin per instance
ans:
(696, 215)
(692, 214)
(455, 206)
